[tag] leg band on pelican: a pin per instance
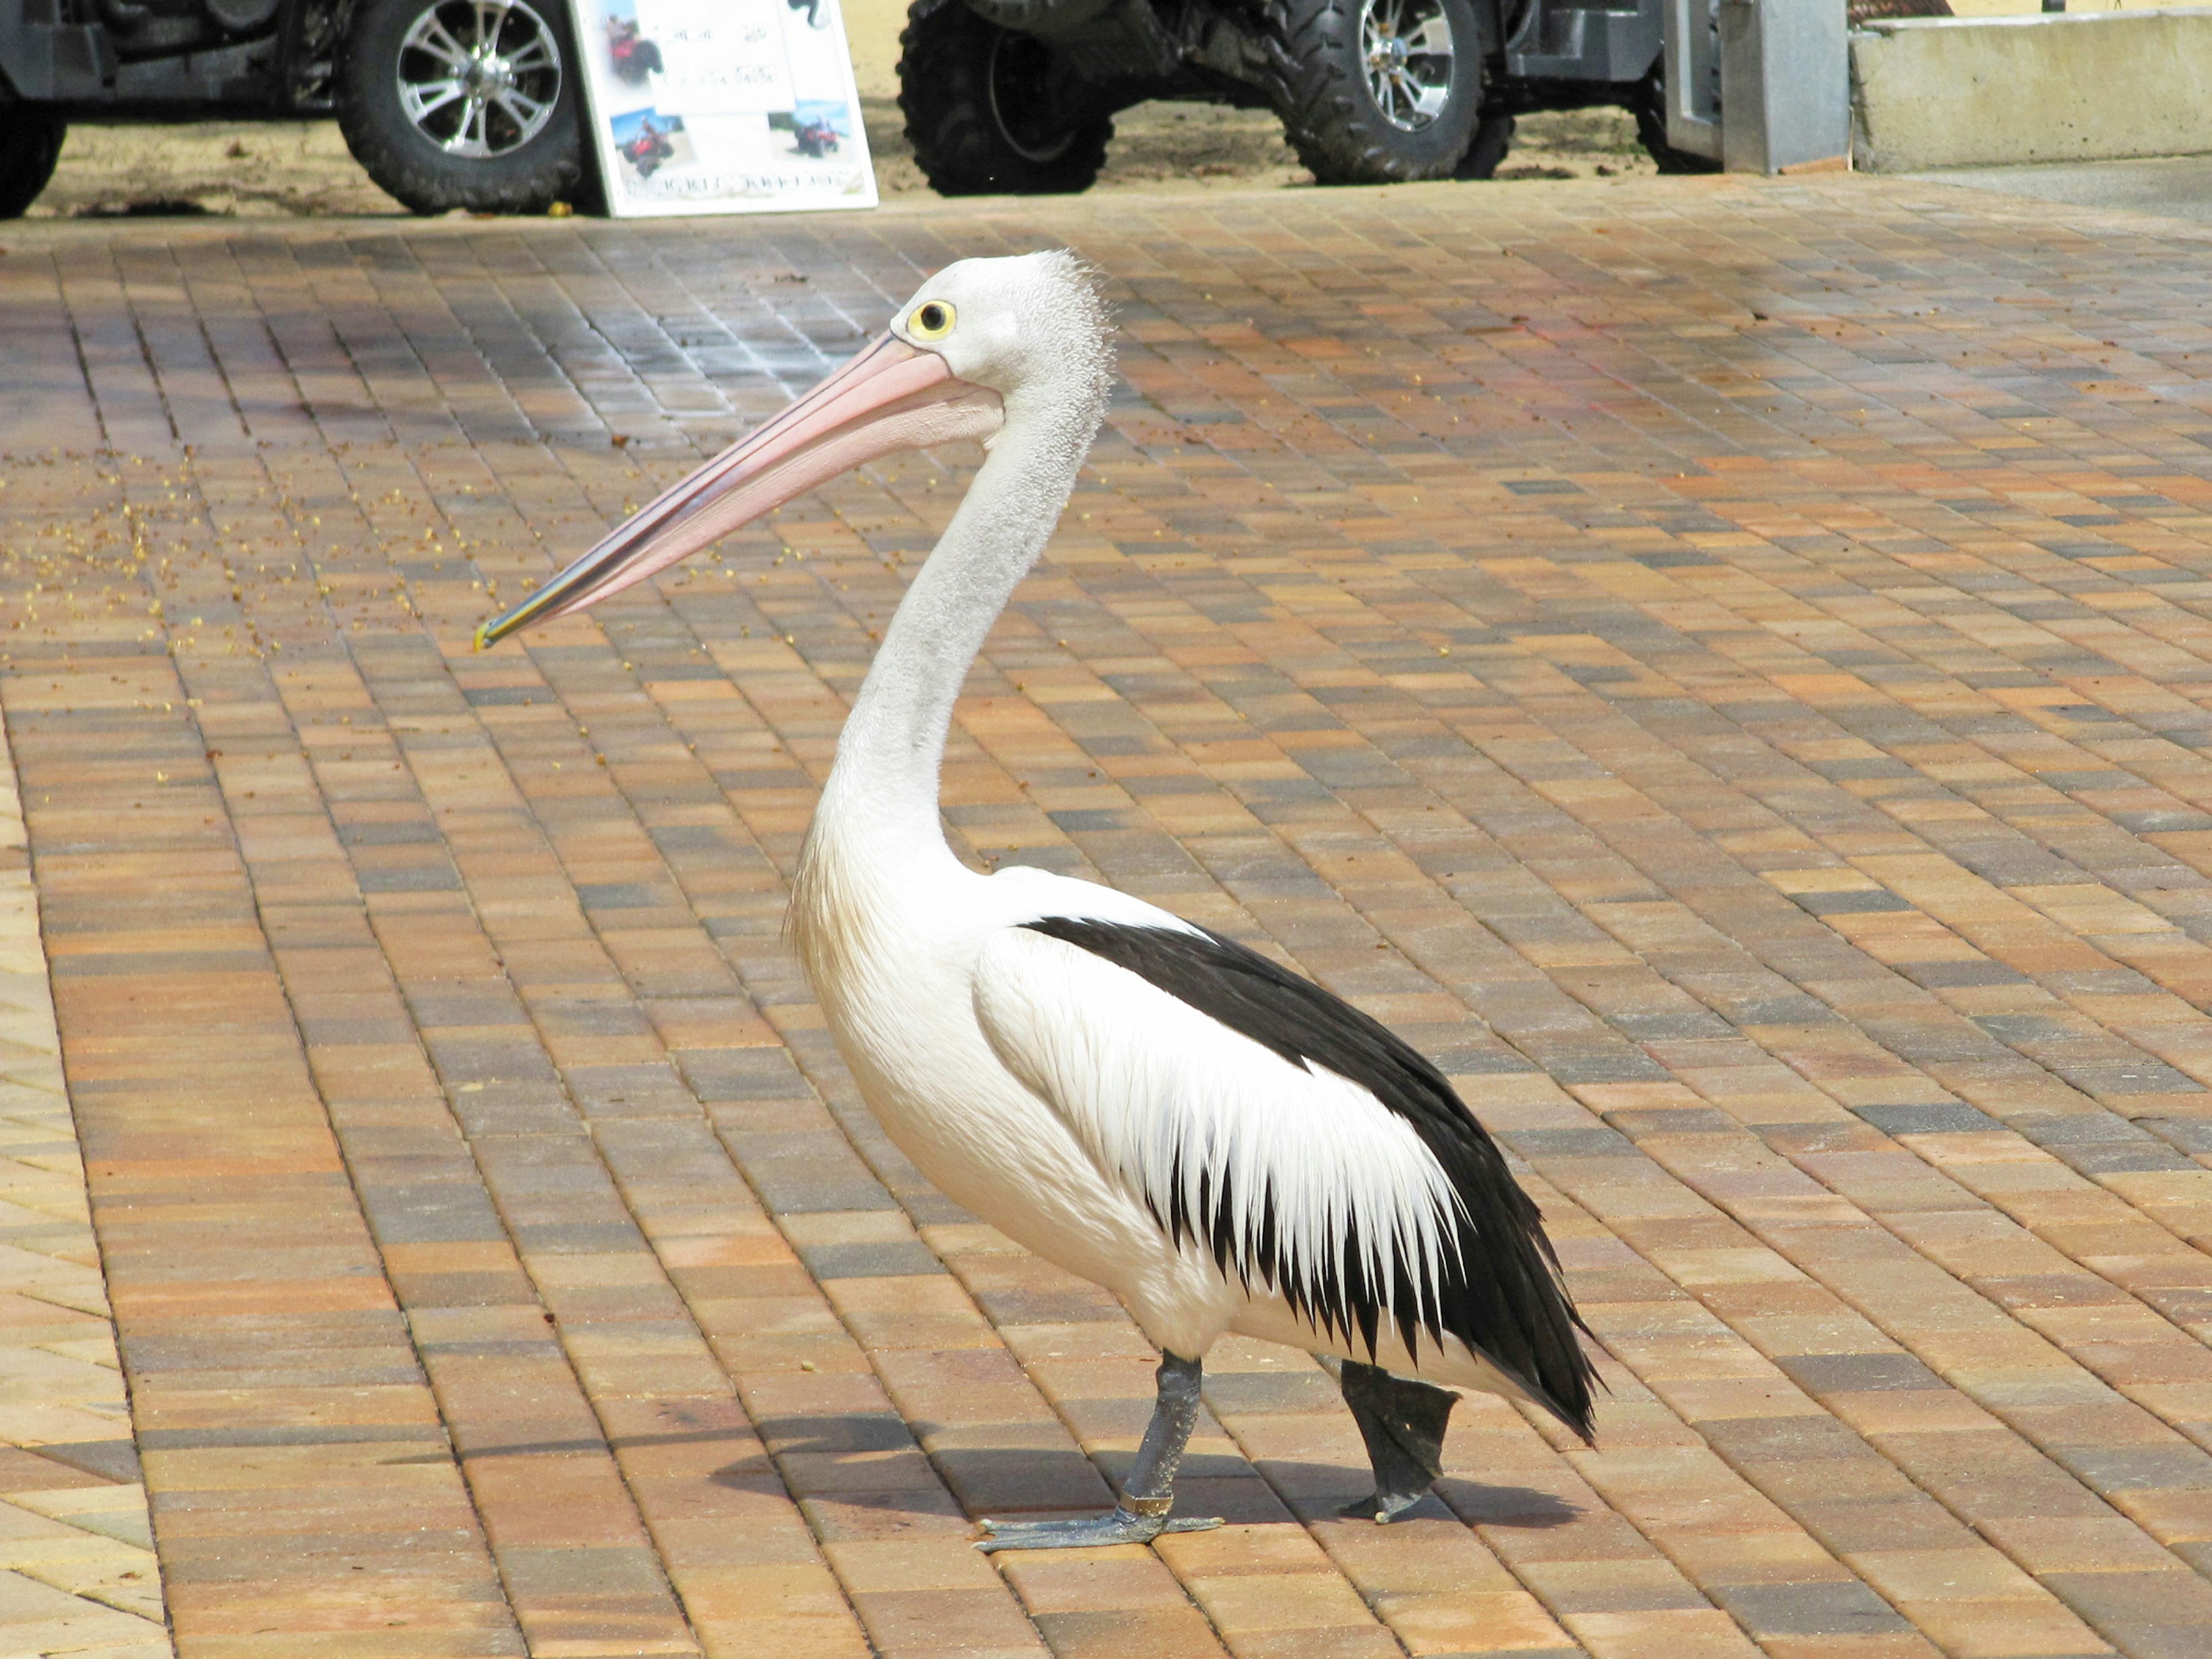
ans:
(1402, 1421)
(1143, 1513)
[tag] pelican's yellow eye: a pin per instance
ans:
(932, 321)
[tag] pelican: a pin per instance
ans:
(1146, 1103)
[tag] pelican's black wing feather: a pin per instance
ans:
(1501, 1294)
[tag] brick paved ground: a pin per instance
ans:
(77, 1572)
(1727, 667)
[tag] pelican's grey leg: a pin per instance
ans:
(1142, 1514)
(1402, 1421)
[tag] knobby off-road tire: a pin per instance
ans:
(1326, 96)
(991, 111)
(520, 153)
(1487, 149)
(30, 144)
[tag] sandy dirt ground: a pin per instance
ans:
(302, 169)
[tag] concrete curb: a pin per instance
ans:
(1934, 92)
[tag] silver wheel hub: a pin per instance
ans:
(479, 78)
(1407, 48)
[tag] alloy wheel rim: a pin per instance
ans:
(1406, 46)
(479, 78)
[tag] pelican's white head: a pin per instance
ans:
(1023, 326)
(983, 343)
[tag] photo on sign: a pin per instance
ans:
(630, 55)
(649, 141)
(813, 129)
(723, 105)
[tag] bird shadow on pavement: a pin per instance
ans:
(871, 1461)
(843, 1464)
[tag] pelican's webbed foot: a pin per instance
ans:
(1402, 1421)
(1120, 1527)
(1143, 1513)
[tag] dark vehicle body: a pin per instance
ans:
(448, 103)
(157, 59)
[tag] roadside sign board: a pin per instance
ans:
(722, 105)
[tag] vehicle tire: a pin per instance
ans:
(30, 145)
(1649, 110)
(989, 111)
(1377, 92)
(457, 104)
(1487, 149)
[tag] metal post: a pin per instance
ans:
(1785, 85)
(1691, 76)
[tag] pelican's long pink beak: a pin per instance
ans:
(891, 396)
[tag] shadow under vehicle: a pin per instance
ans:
(1020, 96)
(447, 103)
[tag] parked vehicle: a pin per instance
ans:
(447, 103)
(478, 103)
(1020, 96)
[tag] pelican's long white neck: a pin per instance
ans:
(882, 794)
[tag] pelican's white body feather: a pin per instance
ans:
(1062, 1098)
